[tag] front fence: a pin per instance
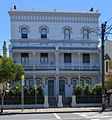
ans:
(16, 100)
(88, 99)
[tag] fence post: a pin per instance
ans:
(46, 104)
(60, 104)
(22, 95)
(74, 101)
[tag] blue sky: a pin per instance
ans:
(104, 7)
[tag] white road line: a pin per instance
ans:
(95, 119)
(58, 117)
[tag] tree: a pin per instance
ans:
(78, 90)
(9, 72)
(108, 81)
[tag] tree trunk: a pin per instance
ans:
(2, 102)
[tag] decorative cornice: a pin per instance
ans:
(36, 16)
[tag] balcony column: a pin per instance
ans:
(33, 60)
(79, 79)
(57, 71)
(35, 87)
(79, 69)
(79, 60)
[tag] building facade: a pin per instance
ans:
(58, 50)
(108, 56)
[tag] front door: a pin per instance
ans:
(50, 88)
(62, 87)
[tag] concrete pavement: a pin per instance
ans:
(53, 110)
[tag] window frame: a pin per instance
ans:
(67, 34)
(43, 58)
(44, 36)
(86, 61)
(66, 60)
(85, 35)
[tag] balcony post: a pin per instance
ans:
(57, 71)
(35, 87)
(79, 59)
(33, 60)
(79, 79)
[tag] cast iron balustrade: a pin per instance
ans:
(29, 66)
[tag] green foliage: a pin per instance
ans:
(108, 82)
(26, 91)
(40, 91)
(97, 89)
(32, 91)
(78, 90)
(87, 90)
(17, 90)
(9, 72)
(19, 72)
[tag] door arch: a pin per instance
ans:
(50, 88)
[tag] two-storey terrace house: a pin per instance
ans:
(57, 49)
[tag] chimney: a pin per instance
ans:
(4, 49)
(91, 10)
(14, 7)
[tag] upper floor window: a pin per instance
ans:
(24, 33)
(86, 58)
(24, 30)
(67, 33)
(85, 34)
(43, 33)
(67, 57)
(107, 66)
(44, 57)
(24, 57)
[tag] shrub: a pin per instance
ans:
(26, 91)
(40, 91)
(17, 90)
(87, 90)
(32, 91)
(78, 90)
(97, 89)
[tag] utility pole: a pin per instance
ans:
(103, 27)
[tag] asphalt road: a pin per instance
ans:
(60, 116)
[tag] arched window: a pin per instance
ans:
(43, 33)
(24, 33)
(67, 33)
(74, 84)
(85, 34)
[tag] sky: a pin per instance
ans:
(103, 6)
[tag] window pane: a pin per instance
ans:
(24, 33)
(44, 58)
(31, 83)
(86, 58)
(24, 57)
(67, 34)
(67, 57)
(43, 33)
(107, 67)
(85, 34)
(74, 84)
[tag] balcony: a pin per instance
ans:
(28, 66)
(82, 67)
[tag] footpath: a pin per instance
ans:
(53, 110)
